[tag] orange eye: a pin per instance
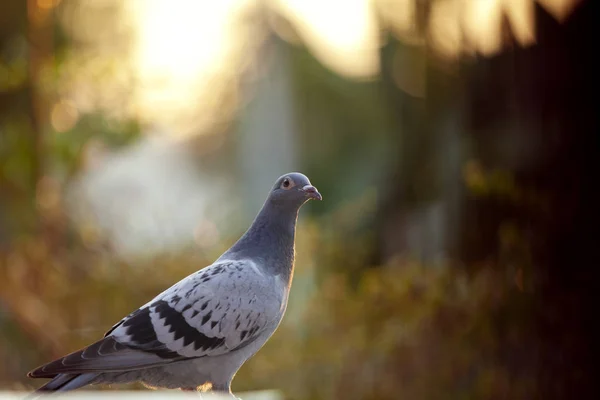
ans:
(287, 183)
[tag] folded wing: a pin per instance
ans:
(212, 312)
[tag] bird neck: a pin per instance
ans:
(270, 239)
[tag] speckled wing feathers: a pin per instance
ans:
(211, 312)
(214, 311)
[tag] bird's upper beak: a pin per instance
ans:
(312, 192)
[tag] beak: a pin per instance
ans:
(312, 192)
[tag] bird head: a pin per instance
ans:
(293, 190)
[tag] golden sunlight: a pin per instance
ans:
(482, 23)
(342, 34)
(181, 49)
(559, 9)
(482, 26)
(187, 55)
(457, 26)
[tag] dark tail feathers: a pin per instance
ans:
(63, 383)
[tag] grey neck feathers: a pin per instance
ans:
(269, 241)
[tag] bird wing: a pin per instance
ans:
(216, 310)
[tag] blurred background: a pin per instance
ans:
(452, 140)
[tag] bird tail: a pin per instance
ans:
(64, 383)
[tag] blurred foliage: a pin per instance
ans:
(400, 327)
(73, 300)
(405, 329)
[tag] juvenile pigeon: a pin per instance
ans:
(199, 332)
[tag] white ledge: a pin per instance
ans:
(148, 394)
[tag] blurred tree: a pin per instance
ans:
(19, 128)
(530, 114)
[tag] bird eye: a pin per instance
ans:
(287, 183)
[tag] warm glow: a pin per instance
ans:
(63, 116)
(560, 9)
(343, 34)
(182, 48)
(399, 16)
(462, 25)
(445, 30)
(48, 3)
(521, 18)
(186, 55)
(482, 25)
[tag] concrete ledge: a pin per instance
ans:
(148, 394)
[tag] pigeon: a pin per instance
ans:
(196, 335)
